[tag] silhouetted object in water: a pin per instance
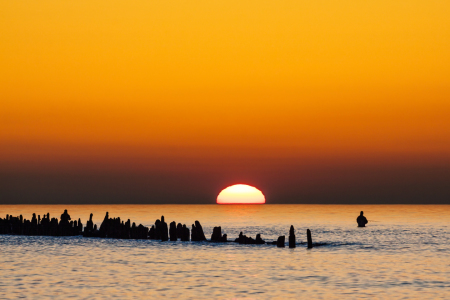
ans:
(65, 217)
(38, 226)
(33, 225)
(157, 229)
(80, 227)
(104, 226)
(197, 234)
(216, 235)
(89, 224)
(115, 228)
(164, 230)
(259, 240)
(65, 227)
(291, 237)
(179, 231)
(173, 231)
(361, 220)
(133, 230)
(308, 236)
(245, 240)
(140, 232)
(186, 233)
(152, 233)
(241, 238)
(224, 238)
(91, 230)
(34, 220)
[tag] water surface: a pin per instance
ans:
(403, 253)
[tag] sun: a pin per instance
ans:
(241, 194)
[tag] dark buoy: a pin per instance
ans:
(308, 235)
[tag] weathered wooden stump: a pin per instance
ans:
(164, 230)
(308, 236)
(280, 241)
(291, 237)
(180, 231)
(216, 236)
(186, 233)
(259, 240)
(197, 232)
(173, 231)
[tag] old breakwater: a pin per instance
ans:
(120, 229)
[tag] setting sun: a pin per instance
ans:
(241, 194)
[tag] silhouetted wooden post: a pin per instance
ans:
(180, 231)
(291, 237)
(308, 235)
(216, 236)
(80, 227)
(241, 238)
(164, 230)
(173, 231)
(200, 234)
(280, 241)
(185, 234)
(259, 240)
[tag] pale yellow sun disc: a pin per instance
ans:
(241, 194)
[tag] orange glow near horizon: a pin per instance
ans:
(241, 194)
(190, 94)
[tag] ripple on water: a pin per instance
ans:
(393, 258)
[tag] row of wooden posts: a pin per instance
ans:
(116, 228)
(281, 243)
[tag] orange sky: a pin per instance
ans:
(251, 86)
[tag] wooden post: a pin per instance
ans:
(291, 237)
(280, 241)
(308, 235)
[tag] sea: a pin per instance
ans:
(403, 253)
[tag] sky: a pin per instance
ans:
(172, 101)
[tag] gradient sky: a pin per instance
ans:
(172, 101)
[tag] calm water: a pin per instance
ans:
(403, 253)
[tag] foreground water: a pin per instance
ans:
(403, 253)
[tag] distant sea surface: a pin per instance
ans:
(404, 252)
